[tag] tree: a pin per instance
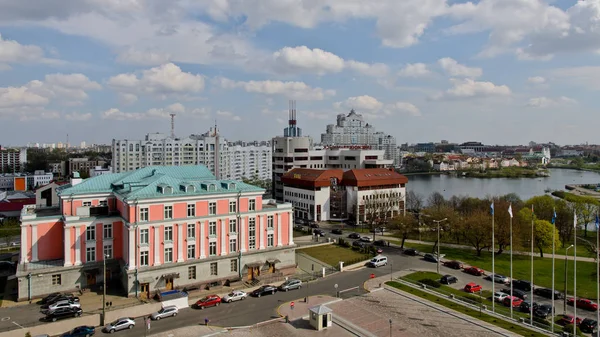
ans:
(542, 235)
(436, 200)
(477, 230)
(586, 209)
(414, 201)
(543, 206)
(10, 229)
(405, 224)
(564, 221)
(502, 226)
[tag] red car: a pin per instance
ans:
(516, 302)
(584, 303)
(208, 301)
(472, 287)
(474, 271)
(568, 319)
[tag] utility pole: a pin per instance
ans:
(239, 239)
(566, 264)
(438, 242)
(104, 290)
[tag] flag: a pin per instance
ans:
(510, 210)
(597, 221)
(554, 217)
(492, 208)
(574, 220)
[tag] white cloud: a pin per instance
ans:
(78, 116)
(403, 107)
(229, 115)
(157, 113)
(587, 77)
(414, 70)
(293, 90)
(142, 57)
(455, 69)
(536, 80)
(119, 115)
(163, 80)
(371, 108)
(468, 88)
(545, 102)
(373, 70)
(11, 97)
(126, 99)
(364, 102)
(12, 52)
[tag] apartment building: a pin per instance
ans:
(12, 160)
(250, 160)
(84, 165)
(158, 228)
(24, 182)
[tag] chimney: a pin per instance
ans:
(76, 179)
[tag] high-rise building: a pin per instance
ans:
(225, 160)
(12, 160)
(352, 130)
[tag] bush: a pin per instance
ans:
(569, 329)
(431, 283)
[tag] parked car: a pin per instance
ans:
(474, 271)
(547, 293)
(521, 285)
(337, 231)
(380, 243)
(63, 313)
(583, 303)
(366, 239)
(63, 297)
(123, 323)
(164, 312)
(411, 252)
(512, 300)
(525, 306)
(430, 257)
(588, 325)
(313, 224)
(543, 311)
(497, 278)
(516, 292)
(500, 296)
(453, 264)
(264, 290)
(49, 298)
(236, 295)
(208, 301)
(472, 287)
(80, 331)
(569, 319)
(448, 279)
(318, 232)
(354, 236)
(378, 261)
(58, 305)
(290, 284)
(378, 230)
(358, 243)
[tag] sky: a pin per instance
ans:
(496, 71)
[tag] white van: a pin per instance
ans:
(378, 261)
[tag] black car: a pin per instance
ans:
(80, 331)
(313, 224)
(264, 290)
(319, 232)
(337, 231)
(60, 298)
(354, 236)
(49, 298)
(381, 243)
(524, 307)
(521, 285)
(448, 279)
(411, 252)
(547, 293)
(588, 325)
(358, 243)
(516, 293)
(543, 311)
(61, 313)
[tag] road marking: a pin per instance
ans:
(4, 319)
(19, 325)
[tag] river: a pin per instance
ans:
(449, 185)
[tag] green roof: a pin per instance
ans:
(159, 182)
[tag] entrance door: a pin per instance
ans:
(90, 279)
(325, 321)
(250, 273)
(145, 291)
(169, 283)
(271, 267)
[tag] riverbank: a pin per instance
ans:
(420, 173)
(508, 172)
(576, 168)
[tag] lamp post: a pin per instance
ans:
(565, 297)
(438, 242)
(390, 327)
(239, 224)
(104, 289)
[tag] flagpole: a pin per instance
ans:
(575, 276)
(493, 263)
(597, 268)
(511, 260)
(553, 252)
(531, 296)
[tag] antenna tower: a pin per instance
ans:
(172, 125)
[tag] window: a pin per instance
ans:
(213, 269)
(56, 280)
(108, 252)
(270, 222)
(212, 249)
(103, 203)
(90, 234)
(251, 233)
(143, 214)
(144, 236)
(232, 226)
(252, 205)
(192, 272)
(144, 259)
(191, 252)
(168, 255)
(108, 231)
(233, 266)
(269, 240)
(212, 208)
(191, 231)
(168, 212)
(212, 228)
(232, 207)
(87, 203)
(232, 245)
(191, 209)
(169, 233)
(90, 254)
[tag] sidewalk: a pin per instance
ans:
(301, 308)
(191, 331)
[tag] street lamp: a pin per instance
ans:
(565, 297)
(390, 327)
(438, 242)
(104, 288)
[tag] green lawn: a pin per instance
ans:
(467, 311)
(542, 276)
(332, 254)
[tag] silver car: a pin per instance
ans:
(497, 278)
(60, 305)
(164, 312)
(120, 324)
(291, 285)
(236, 295)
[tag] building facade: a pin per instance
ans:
(99, 170)
(335, 194)
(12, 160)
(250, 160)
(158, 228)
(24, 182)
(84, 165)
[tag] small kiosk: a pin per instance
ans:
(320, 317)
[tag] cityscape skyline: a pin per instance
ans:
(238, 63)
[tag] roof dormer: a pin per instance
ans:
(187, 188)
(164, 189)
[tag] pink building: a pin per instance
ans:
(158, 228)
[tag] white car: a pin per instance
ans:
(59, 305)
(366, 239)
(236, 295)
(164, 312)
(120, 324)
(500, 296)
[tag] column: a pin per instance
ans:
(202, 239)
(242, 237)
(223, 238)
(67, 247)
(131, 242)
(34, 244)
(291, 228)
(24, 258)
(78, 245)
(180, 243)
(157, 251)
(278, 229)
(261, 232)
